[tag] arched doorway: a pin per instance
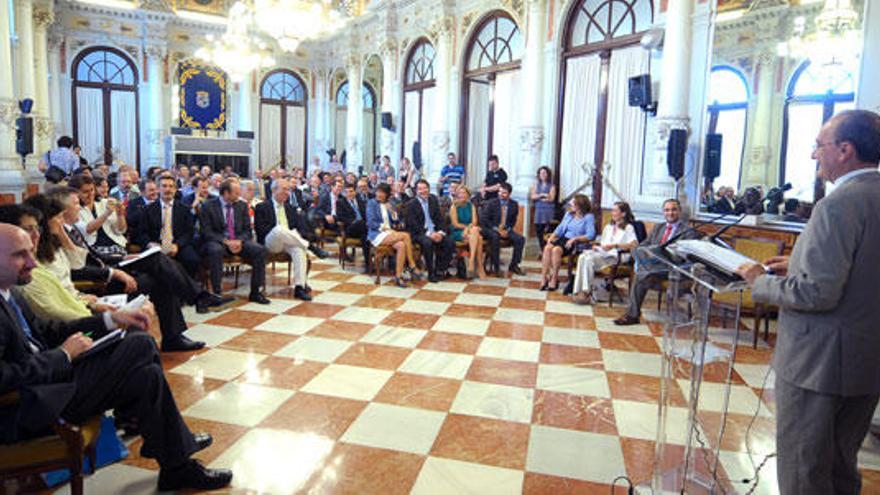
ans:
(370, 110)
(490, 90)
(283, 120)
(728, 113)
(105, 106)
(418, 98)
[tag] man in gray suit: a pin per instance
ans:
(650, 271)
(827, 358)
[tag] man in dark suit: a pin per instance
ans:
(226, 229)
(352, 212)
(498, 219)
(38, 360)
(174, 233)
(649, 271)
(278, 225)
(200, 193)
(327, 205)
(427, 228)
(135, 211)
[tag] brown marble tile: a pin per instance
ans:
(870, 481)
(411, 320)
(240, 318)
(435, 295)
(354, 469)
(761, 437)
(712, 372)
(569, 321)
(332, 276)
(259, 342)
(544, 484)
(282, 372)
(482, 440)
(451, 342)
(603, 311)
(638, 456)
(557, 295)
(354, 288)
(490, 290)
(626, 342)
(171, 360)
(527, 284)
(523, 303)
(380, 302)
(374, 356)
(747, 355)
(224, 435)
(641, 388)
(502, 372)
(519, 331)
(315, 310)
(425, 392)
(470, 311)
(583, 357)
(318, 414)
(346, 330)
(188, 389)
(574, 412)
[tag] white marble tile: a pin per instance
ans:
(310, 348)
(337, 298)
(394, 336)
(489, 400)
(290, 324)
(274, 461)
(455, 324)
(572, 380)
(242, 404)
(742, 399)
(519, 316)
(525, 293)
(510, 349)
(348, 382)
(425, 307)
(357, 314)
(277, 305)
(221, 364)
(441, 476)
(447, 286)
(387, 426)
(565, 336)
(638, 363)
(493, 281)
(212, 335)
(568, 308)
(116, 478)
(607, 325)
(190, 315)
(739, 466)
(322, 285)
(362, 279)
(639, 420)
(478, 299)
(754, 375)
(575, 454)
(393, 291)
(434, 363)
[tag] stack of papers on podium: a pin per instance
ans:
(726, 260)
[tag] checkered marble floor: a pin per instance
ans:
(481, 387)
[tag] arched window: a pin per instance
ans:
(370, 118)
(283, 120)
(601, 53)
(418, 97)
(815, 93)
(492, 95)
(105, 106)
(728, 110)
(368, 96)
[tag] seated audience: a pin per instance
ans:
(750, 203)
(135, 209)
(214, 184)
(226, 230)
(619, 235)
(725, 202)
(577, 227)
(327, 206)
(102, 187)
(61, 162)
(452, 172)
(398, 194)
(201, 192)
(353, 213)
(101, 222)
(384, 229)
(385, 169)
(125, 189)
(39, 354)
(543, 193)
(465, 227)
(427, 228)
(494, 178)
(498, 219)
(363, 189)
(278, 226)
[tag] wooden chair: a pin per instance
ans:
(623, 268)
(281, 257)
(760, 250)
(347, 245)
(90, 287)
(378, 255)
(62, 450)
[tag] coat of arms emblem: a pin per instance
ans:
(203, 99)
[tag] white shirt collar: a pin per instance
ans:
(855, 173)
(6, 294)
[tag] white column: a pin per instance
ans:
(435, 157)
(319, 128)
(11, 178)
(757, 163)
(531, 131)
(45, 128)
(244, 121)
(54, 69)
(390, 97)
(155, 132)
(354, 115)
(867, 96)
(24, 22)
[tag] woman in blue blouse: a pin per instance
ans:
(578, 226)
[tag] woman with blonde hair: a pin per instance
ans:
(466, 226)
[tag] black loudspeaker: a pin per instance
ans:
(386, 121)
(245, 134)
(181, 131)
(712, 161)
(417, 154)
(675, 151)
(24, 135)
(640, 91)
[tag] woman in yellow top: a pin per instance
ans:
(466, 226)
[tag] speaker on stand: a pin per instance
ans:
(676, 149)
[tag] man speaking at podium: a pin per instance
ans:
(827, 357)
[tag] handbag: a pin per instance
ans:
(54, 174)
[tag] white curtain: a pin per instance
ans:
(341, 121)
(270, 135)
(123, 119)
(296, 128)
(410, 122)
(578, 121)
(508, 103)
(90, 123)
(368, 136)
(478, 133)
(428, 123)
(625, 128)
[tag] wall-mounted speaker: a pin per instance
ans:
(417, 154)
(386, 121)
(640, 91)
(712, 160)
(675, 152)
(24, 135)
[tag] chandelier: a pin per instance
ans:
(235, 51)
(836, 39)
(290, 22)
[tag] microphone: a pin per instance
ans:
(687, 229)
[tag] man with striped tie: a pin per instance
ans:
(169, 224)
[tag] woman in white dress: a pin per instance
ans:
(618, 234)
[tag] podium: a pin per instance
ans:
(687, 350)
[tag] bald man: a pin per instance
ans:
(39, 358)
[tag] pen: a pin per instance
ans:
(88, 334)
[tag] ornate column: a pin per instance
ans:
(45, 128)
(319, 130)
(244, 120)
(54, 70)
(531, 131)
(757, 169)
(869, 77)
(434, 157)
(155, 131)
(354, 114)
(390, 95)
(11, 178)
(24, 25)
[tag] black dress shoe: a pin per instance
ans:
(433, 278)
(208, 301)
(515, 269)
(192, 475)
(320, 253)
(308, 289)
(626, 320)
(258, 298)
(203, 441)
(181, 344)
(300, 293)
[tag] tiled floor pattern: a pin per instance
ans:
(483, 387)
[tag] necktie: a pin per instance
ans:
(666, 233)
(503, 216)
(22, 322)
(281, 217)
(230, 224)
(293, 201)
(357, 212)
(429, 223)
(166, 236)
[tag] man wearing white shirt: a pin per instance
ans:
(277, 226)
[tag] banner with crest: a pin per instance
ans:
(202, 96)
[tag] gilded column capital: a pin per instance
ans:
(43, 18)
(155, 52)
